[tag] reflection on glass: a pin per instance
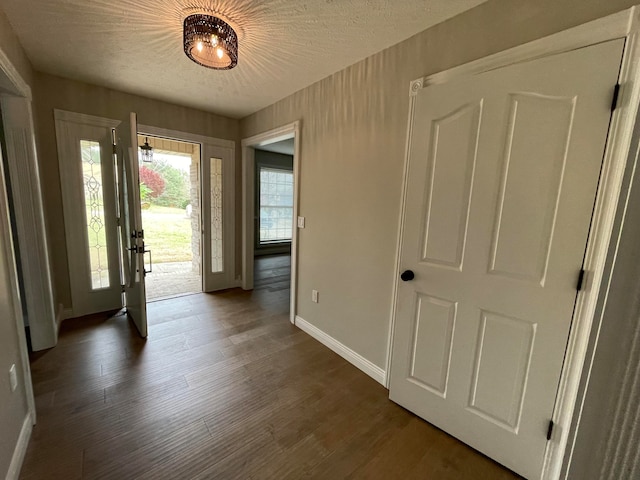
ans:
(276, 205)
(217, 261)
(94, 209)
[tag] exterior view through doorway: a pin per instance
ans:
(170, 201)
(103, 196)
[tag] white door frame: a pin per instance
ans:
(229, 196)
(15, 99)
(24, 175)
(292, 130)
(605, 226)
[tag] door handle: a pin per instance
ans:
(150, 261)
(407, 275)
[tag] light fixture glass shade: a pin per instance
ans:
(210, 42)
(146, 151)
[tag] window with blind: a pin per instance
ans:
(276, 205)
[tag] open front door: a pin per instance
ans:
(131, 230)
(218, 200)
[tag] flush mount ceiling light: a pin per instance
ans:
(146, 151)
(210, 42)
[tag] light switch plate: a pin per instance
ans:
(300, 222)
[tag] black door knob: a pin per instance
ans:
(407, 275)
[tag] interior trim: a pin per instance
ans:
(371, 369)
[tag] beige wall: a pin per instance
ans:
(53, 92)
(352, 151)
(13, 406)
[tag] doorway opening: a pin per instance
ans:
(273, 221)
(170, 200)
(270, 208)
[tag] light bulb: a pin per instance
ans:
(199, 46)
(219, 52)
(214, 40)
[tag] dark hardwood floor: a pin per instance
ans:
(224, 388)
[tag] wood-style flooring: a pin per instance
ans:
(224, 388)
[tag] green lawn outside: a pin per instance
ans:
(167, 232)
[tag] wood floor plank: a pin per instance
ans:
(224, 388)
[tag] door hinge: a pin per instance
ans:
(550, 429)
(122, 288)
(114, 148)
(580, 280)
(616, 93)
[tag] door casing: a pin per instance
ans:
(284, 132)
(605, 226)
(211, 147)
(24, 175)
(15, 98)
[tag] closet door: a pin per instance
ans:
(503, 172)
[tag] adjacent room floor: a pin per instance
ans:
(224, 387)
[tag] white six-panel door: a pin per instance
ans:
(503, 170)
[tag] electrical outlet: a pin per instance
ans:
(314, 296)
(13, 378)
(300, 222)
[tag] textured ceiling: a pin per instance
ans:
(284, 45)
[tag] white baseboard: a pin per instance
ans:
(375, 372)
(59, 316)
(20, 450)
(63, 314)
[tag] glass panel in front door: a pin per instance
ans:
(95, 217)
(217, 257)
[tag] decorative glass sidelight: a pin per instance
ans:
(94, 211)
(217, 260)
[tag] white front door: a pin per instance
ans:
(218, 174)
(132, 234)
(89, 202)
(503, 171)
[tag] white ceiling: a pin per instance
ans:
(284, 45)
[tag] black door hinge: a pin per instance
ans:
(550, 429)
(616, 93)
(122, 289)
(580, 280)
(114, 149)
